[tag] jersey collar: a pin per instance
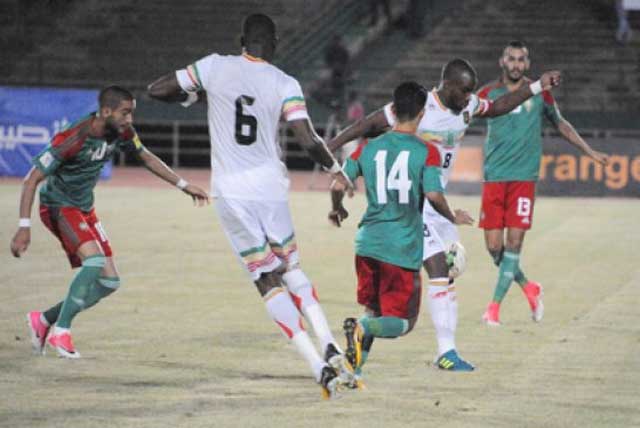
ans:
(252, 58)
(434, 92)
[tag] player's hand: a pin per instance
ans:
(199, 196)
(550, 79)
(338, 215)
(342, 183)
(20, 241)
(601, 158)
(462, 217)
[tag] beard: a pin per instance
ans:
(514, 75)
(111, 130)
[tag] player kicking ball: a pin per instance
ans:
(399, 171)
(71, 166)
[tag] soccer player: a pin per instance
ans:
(449, 110)
(512, 153)
(399, 171)
(71, 166)
(246, 98)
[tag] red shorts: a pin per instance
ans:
(507, 204)
(73, 228)
(387, 289)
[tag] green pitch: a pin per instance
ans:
(186, 341)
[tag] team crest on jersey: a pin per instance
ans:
(83, 226)
(466, 117)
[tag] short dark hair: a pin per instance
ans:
(516, 44)
(409, 99)
(258, 27)
(454, 69)
(112, 96)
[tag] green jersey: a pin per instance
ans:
(398, 169)
(72, 163)
(513, 147)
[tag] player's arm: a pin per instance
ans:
(352, 170)
(440, 204)
(434, 192)
(511, 100)
(371, 126)
(22, 237)
(160, 169)
(569, 133)
(167, 89)
(318, 150)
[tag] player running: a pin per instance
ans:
(71, 166)
(512, 153)
(246, 98)
(449, 110)
(399, 171)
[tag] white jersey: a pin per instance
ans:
(443, 128)
(246, 98)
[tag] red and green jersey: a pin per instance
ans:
(72, 163)
(398, 169)
(513, 147)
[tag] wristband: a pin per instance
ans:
(181, 184)
(24, 222)
(336, 168)
(535, 87)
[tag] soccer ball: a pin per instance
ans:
(456, 259)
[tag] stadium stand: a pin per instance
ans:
(575, 36)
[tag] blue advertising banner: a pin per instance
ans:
(30, 117)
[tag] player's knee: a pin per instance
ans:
(267, 282)
(96, 261)
(436, 266)
(496, 255)
(513, 244)
(296, 280)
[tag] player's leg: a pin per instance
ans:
(277, 223)
(519, 219)
(109, 280)
(93, 261)
(242, 225)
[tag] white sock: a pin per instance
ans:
(438, 302)
(305, 347)
(283, 311)
(453, 310)
(306, 299)
(59, 330)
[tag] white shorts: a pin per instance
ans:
(261, 234)
(439, 233)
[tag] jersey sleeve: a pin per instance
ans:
(130, 141)
(63, 146)
(352, 168)
(352, 165)
(194, 77)
(294, 106)
(431, 173)
(550, 108)
(388, 114)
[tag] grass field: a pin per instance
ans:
(187, 342)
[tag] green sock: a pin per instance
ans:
(51, 314)
(388, 327)
(508, 267)
(520, 278)
(367, 341)
(79, 289)
(104, 286)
